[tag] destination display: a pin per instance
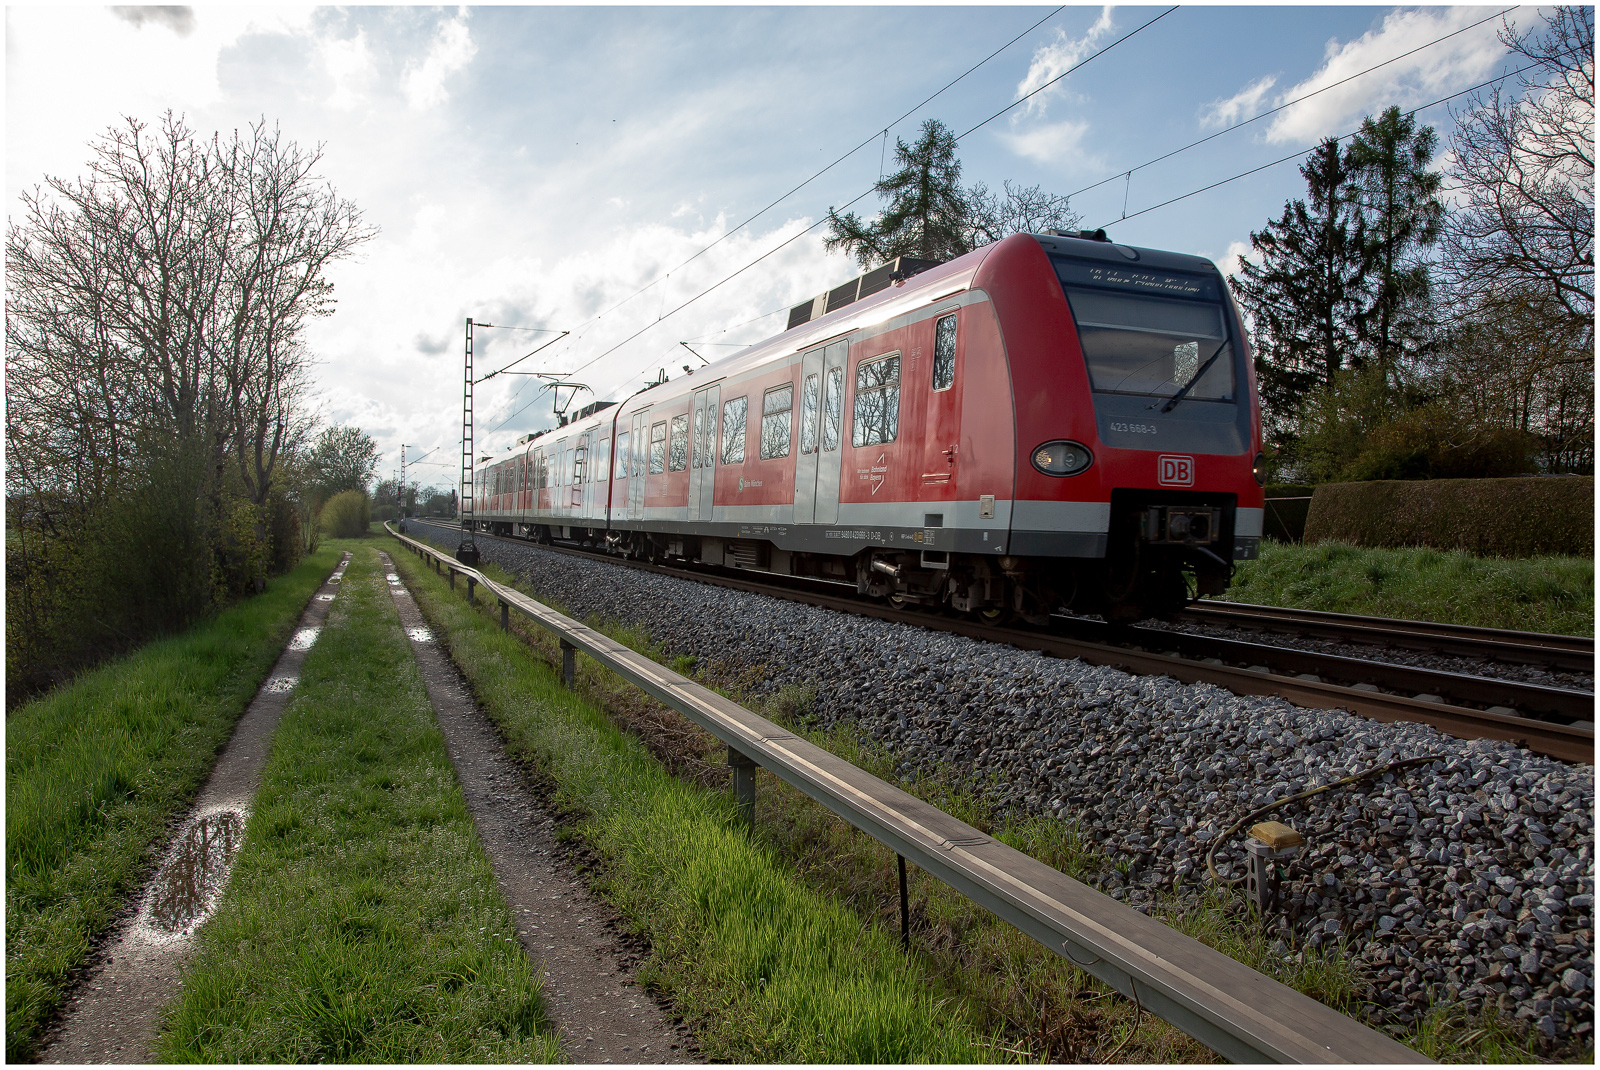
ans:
(1135, 279)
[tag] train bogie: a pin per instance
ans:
(1047, 422)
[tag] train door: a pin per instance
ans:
(702, 460)
(805, 462)
(636, 475)
(575, 479)
(941, 429)
(830, 430)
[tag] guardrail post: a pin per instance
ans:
(905, 908)
(569, 664)
(744, 784)
(452, 579)
(505, 616)
(472, 588)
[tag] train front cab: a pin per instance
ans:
(1138, 471)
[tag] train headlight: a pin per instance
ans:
(1259, 468)
(1062, 458)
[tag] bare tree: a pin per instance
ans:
(1524, 175)
(1017, 210)
(156, 366)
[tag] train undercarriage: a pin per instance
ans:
(1163, 554)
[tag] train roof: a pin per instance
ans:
(927, 284)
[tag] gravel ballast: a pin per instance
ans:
(1468, 881)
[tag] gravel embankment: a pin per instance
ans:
(1468, 881)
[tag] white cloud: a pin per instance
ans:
(1056, 58)
(1238, 252)
(1428, 75)
(1242, 105)
(452, 49)
(351, 69)
(94, 65)
(1052, 143)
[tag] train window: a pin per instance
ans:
(699, 436)
(708, 448)
(944, 353)
(658, 448)
(602, 461)
(832, 409)
(1154, 346)
(877, 412)
(622, 454)
(733, 414)
(544, 470)
(810, 409)
(577, 466)
(777, 408)
(678, 455)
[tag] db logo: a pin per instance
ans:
(1174, 471)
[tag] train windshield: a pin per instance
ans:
(1154, 333)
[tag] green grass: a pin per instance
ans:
(1540, 594)
(764, 965)
(362, 922)
(97, 769)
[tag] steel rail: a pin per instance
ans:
(1561, 704)
(1568, 743)
(1570, 652)
(1237, 1012)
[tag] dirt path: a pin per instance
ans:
(603, 1015)
(114, 1014)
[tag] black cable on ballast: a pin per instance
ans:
(1354, 778)
(1281, 107)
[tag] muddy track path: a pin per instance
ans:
(114, 1015)
(603, 1015)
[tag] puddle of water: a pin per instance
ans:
(279, 684)
(325, 597)
(185, 891)
(421, 635)
(304, 638)
(392, 577)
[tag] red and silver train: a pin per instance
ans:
(1045, 422)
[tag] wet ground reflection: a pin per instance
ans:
(187, 886)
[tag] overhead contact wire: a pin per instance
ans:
(875, 135)
(873, 189)
(1302, 152)
(1281, 107)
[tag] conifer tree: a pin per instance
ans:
(1399, 199)
(1306, 288)
(928, 212)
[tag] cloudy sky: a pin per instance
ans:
(556, 167)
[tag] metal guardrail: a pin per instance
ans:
(1237, 1012)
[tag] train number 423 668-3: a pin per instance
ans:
(1136, 429)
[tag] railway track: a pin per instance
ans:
(1555, 722)
(1567, 652)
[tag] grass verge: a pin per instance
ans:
(96, 770)
(1538, 594)
(764, 965)
(362, 922)
(1009, 986)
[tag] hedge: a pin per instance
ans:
(1524, 516)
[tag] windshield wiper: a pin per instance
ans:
(1195, 378)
